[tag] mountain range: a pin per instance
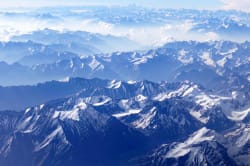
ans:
(124, 85)
(119, 123)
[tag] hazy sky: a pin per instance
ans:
(193, 4)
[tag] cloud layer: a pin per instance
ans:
(194, 4)
(243, 5)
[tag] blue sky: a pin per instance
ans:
(191, 4)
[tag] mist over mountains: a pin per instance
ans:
(124, 85)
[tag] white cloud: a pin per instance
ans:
(212, 36)
(105, 28)
(243, 5)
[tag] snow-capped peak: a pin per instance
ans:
(72, 114)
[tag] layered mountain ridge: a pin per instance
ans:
(124, 85)
(136, 116)
(223, 63)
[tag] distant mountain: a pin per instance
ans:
(211, 64)
(21, 97)
(78, 42)
(49, 46)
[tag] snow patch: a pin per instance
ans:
(239, 115)
(184, 148)
(129, 112)
(198, 116)
(131, 82)
(41, 106)
(185, 90)
(206, 57)
(71, 114)
(27, 110)
(25, 123)
(208, 101)
(141, 60)
(124, 103)
(229, 51)
(58, 132)
(222, 62)
(95, 65)
(66, 79)
(140, 98)
(183, 58)
(145, 119)
(241, 135)
(114, 84)
(106, 100)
